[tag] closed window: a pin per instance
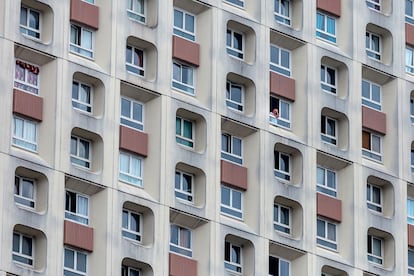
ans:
(80, 152)
(130, 168)
(282, 165)
(372, 145)
(374, 198)
(328, 79)
(374, 4)
(26, 77)
(234, 44)
(184, 24)
(281, 218)
(234, 96)
(328, 130)
(136, 10)
(131, 225)
(24, 191)
(89, 1)
(410, 261)
(24, 133)
(23, 249)
(280, 60)
(279, 112)
(180, 240)
(77, 207)
(278, 267)
(75, 263)
(412, 110)
(134, 60)
(231, 202)
(409, 11)
(282, 11)
(184, 133)
(373, 45)
(233, 257)
(412, 161)
(409, 60)
(231, 148)
(326, 234)
(129, 271)
(30, 22)
(371, 94)
(184, 186)
(132, 113)
(81, 41)
(239, 3)
(82, 96)
(326, 27)
(183, 77)
(375, 249)
(410, 211)
(326, 181)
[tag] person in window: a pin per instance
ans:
(275, 113)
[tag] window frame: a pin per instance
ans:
(374, 258)
(368, 101)
(325, 241)
(230, 264)
(410, 214)
(228, 209)
(179, 84)
(180, 248)
(16, 255)
(230, 103)
(237, 3)
(127, 176)
(230, 49)
(280, 13)
(278, 224)
(180, 138)
(130, 66)
(279, 261)
(323, 33)
(374, 5)
(410, 267)
(276, 65)
(77, 216)
(19, 198)
(182, 32)
(74, 270)
(128, 233)
(76, 159)
(30, 70)
(179, 191)
(409, 18)
(325, 137)
(27, 30)
(283, 175)
(133, 14)
(280, 119)
(409, 60)
(325, 188)
(78, 102)
(23, 142)
(231, 156)
(80, 49)
(325, 85)
(369, 47)
(371, 204)
(369, 152)
(126, 270)
(130, 122)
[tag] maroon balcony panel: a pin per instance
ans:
(233, 175)
(410, 230)
(84, 13)
(78, 235)
(186, 50)
(28, 105)
(329, 207)
(374, 120)
(409, 34)
(182, 266)
(133, 140)
(282, 86)
(331, 6)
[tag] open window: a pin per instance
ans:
(287, 164)
(31, 189)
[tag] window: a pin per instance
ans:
(281, 218)
(77, 207)
(26, 77)
(412, 161)
(280, 60)
(282, 165)
(184, 134)
(410, 261)
(134, 60)
(81, 96)
(184, 24)
(184, 186)
(374, 198)
(235, 44)
(374, 4)
(75, 263)
(278, 267)
(412, 110)
(136, 10)
(328, 79)
(371, 94)
(231, 148)
(232, 257)
(80, 152)
(410, 211)
(231, 202)
(409, 11)
(24, 191)
(328, 130)
(132, 113)
(89, 1)
(24, 133)
(326, 181)
(326, 234)
(375, 249)
(234, 96)
(23, 249)
(29, 22)
(130, 168)
(282, 11)
(129, 271)
(236, 2)
(81, 41)
(372, 45)
(279, 112)
(180, 240)
(131, 225)
(326, 27)
(409, 60)
(371, 145)
(183, 77)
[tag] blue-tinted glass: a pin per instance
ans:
(236, 203)
(225, 195)
(178, 19)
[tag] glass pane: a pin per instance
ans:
(135, 166)
(187, 183)
(187, 75)
(331, 232)
(18, 127)
(34, 20)
(365, 90)
(23, 16)
(177, 180)
(178, 19)
(188, 129)
(330, 25)
(124, 163)
(330, 76)
(82, 205)
(225, 195)
(75, 89)
(236, 199)
(274, 54)
(87, 39)
(285, 112)
(285, 59)
(16, 242)
(69, 259)
(376, 195)
(235, 254)
(137, 112)
(238, 41)
(376, 144)
(176, 72)
(331, 179)
(284, 215)
(284, 268)
(125, 108)
(124, 219)
(135, 222)
(81, 262)
(237, 147)
(73, 146)
(189, 23)
(225, 143)
(129, 54)
(376, 246)
(27, 189)
(236, 93)
(320, 228)
(284, 163)
(376, 93)
(83, 149)
(320, 22)
(27, 246)
(178, 126)
(320, 176)
(85, 94)
(174, 234)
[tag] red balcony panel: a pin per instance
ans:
(410, 235)
(329, 207)
(186, 50)
(282, 86)
(78, 235)
(233, 175)
(84, 13)
(28, 105)
(374, 120)
(409, 34)
(133, 140)
(182, 266)
(331, 6)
